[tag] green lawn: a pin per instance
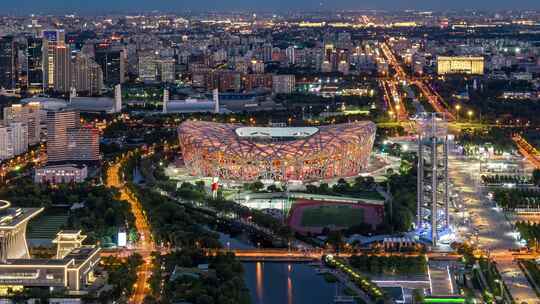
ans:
(47, 224)
(338, 215)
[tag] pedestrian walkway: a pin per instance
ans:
(344, 279)
(517, 282)
(494, 232)
(440, 279)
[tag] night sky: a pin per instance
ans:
(99, 6)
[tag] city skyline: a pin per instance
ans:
(280, 6)
(242, 152)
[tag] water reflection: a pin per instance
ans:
(295, 283)
(277, 283)
(289, 290)
(289, 285)
(260, 285)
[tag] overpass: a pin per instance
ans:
(527, 150)
(294, 255)
(275, 255)
(286, 255)
(244, 255)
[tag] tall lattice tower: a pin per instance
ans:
(432, 203)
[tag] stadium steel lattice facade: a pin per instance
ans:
(239, 153)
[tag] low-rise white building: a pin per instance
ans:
(59, 174)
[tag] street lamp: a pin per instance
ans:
(470, 113)
(458, 107)
(391, 114)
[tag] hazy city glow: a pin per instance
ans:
(285, 152)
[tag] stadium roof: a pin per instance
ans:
(237, 152)
(276, 132)
(230, 139)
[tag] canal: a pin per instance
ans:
(287, 283)
(282, 283)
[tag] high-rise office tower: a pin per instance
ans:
(343, 67)
(21, 64)
(283, 84)
(13, 140)
(6, 151)
(290, 52)
(215, 97)
(267, 52)
(326, 67)
(328, 50)
(18, 137)
(147, 68)
(95, 75)
(52, 39)
(58, 123)
(164, 109)
(83, 144)
(257, 66)
(113, 63)
(34, 122)
(29, 115)
(67, 141)
(86, 75)
(35, 70)
(166, 70)
(329, 38)
(118, 98)
(344, 40)
(8, 71)
(88, 49)
(62, 64)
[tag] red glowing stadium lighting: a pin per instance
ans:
(216, 150)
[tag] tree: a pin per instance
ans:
(402, 219)
(325, 231)
(335, 238)
(324, 189)
(418, 296)
(274, 188)
(536, 177)
(149, 299)
(256, 186)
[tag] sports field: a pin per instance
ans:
(312, 216)
(332, 215)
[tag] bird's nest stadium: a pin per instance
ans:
(236, 152)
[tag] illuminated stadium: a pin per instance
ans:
(239, 153)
